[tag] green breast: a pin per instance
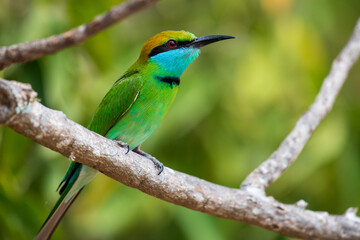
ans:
(145, 114)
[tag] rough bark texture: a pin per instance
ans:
(22, 112)
(25, 52)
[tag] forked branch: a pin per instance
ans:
(271, 169)
(20, 110)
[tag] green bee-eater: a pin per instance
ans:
(134, 107)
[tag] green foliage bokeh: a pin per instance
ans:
(235, 105)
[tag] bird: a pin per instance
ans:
(133, 108)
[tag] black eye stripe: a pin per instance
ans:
(165, 47)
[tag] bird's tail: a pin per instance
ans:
(67, 196)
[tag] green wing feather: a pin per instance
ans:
(116, 103)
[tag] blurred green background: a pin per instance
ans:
(235, 105)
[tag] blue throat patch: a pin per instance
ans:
(174, 62)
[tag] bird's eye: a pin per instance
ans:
(171, 43)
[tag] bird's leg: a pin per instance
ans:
(156, 162)
(123, 145)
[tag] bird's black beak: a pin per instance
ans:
(205, 40)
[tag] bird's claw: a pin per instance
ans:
(156, 162)
(123, 145)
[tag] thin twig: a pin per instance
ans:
(20, 111)
(270, 170)
(50, 128)
(29, 51)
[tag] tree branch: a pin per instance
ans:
(270, 170)
(20, 110)
(29, 51)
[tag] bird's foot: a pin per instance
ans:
(123, 145)
(156, 162)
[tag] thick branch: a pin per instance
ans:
(25, 52)
(22, 112)
(290, 148)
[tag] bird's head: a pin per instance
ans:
(170, 52)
